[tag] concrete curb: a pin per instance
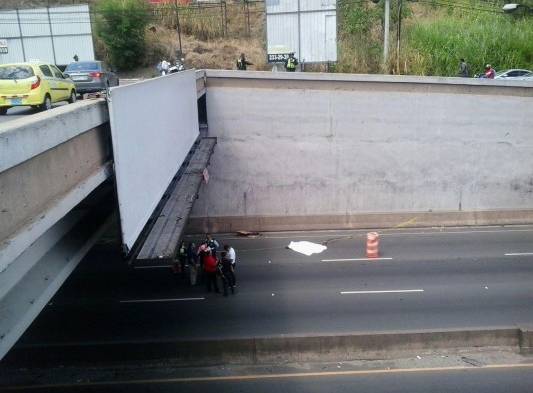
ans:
(274, 349)
(359, 221)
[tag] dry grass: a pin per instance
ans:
(214, 53)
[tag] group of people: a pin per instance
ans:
(290, 63)
(206, 263)
(464, 71)
(165, 67)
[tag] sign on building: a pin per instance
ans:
(50, 34)
(308, 28)
(3, 46)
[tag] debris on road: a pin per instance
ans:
(307, 248)
(248, 233)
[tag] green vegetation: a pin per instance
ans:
(435, 35)
(121, 24)
(434, 48)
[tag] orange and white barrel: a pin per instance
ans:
(372, 245)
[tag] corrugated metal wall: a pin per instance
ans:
(52, 35)
(306, 27)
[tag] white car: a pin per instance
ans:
(526, 77)
(515, 74)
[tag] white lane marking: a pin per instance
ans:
(517, 254)
(357, 259)
(185, 299)
(152, 267)
(389, 291)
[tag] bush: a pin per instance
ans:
(501, 40)
(360, 38)
(121, 25)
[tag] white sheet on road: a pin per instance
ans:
(307, 248)
(154, 124)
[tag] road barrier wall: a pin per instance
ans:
(273, 349)
(311, 151)
(49, 162)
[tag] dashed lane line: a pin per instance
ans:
(153, 267)
(357, 259)
(385, 291)
(185, 299)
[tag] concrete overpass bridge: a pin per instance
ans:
(303, 151)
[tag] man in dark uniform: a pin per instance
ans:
(227, 273)
(242, 63)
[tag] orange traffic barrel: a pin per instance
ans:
(372, 244)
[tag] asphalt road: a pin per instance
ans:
(23, 111)
(18, 112)
(493, 380)
(454, 278)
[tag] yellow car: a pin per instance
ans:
(38, 85)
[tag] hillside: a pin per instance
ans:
(435, 34)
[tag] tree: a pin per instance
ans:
(121, 24)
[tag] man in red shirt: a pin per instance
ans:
(210, 269)
(489, 72)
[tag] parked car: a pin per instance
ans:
(511, 74)
(34, 84)
(526, 77)
(91, 76)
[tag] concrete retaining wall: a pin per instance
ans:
(339, 148)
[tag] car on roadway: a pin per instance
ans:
(34, 84)
(514, 74)
(91, 76)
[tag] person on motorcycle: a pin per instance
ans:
(178, 66)
(489, 72)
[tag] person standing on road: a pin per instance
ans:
(212, 244)
(202, 253)
(192, 261)
(182, 258)
(165, 65)
(227, 274)
(231, 255)
(210, 270)
(463, 69)
(291, 63)
(242, 63)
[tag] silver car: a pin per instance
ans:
(510, 75)
(91, 76)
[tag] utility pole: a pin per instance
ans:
(178, 27)
(399, 36)
(386, 33)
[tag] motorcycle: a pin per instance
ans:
(177, 67)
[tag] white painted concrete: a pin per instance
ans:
(154, 124)
(26, 137)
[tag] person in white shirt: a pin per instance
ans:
(230, 254)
